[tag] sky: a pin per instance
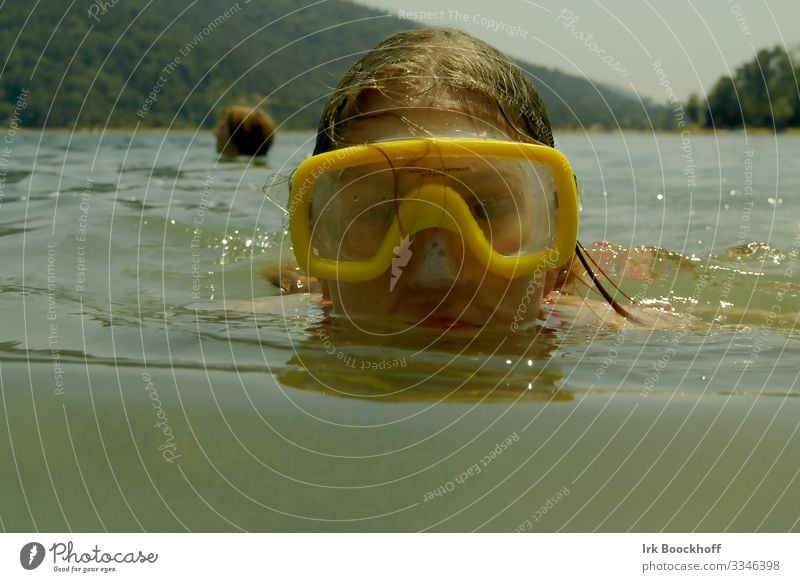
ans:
(664, 49)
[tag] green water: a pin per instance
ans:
(142, 388)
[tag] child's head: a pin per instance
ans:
(420, 65)
(429, 84)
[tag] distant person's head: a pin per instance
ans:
(436, 230)
(244, 131)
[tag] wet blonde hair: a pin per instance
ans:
(414, 62)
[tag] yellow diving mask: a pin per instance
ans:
(514, 205)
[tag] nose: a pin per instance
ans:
(437, 263)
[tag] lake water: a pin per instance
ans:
(144, 389)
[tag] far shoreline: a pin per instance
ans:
(694, 129)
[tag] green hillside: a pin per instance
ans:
(159, 63)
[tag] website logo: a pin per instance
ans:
(31, 555)
(402, 254)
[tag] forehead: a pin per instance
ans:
(429, 115)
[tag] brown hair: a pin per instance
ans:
(244, 131)
(417, 61)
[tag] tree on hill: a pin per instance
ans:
(762, 93)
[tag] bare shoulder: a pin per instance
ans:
(567, 308)
(286, 306)
(290, 278)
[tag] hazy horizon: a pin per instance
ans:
(645, 47)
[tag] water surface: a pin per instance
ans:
(144, 389)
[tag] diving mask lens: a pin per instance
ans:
(513, 202)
